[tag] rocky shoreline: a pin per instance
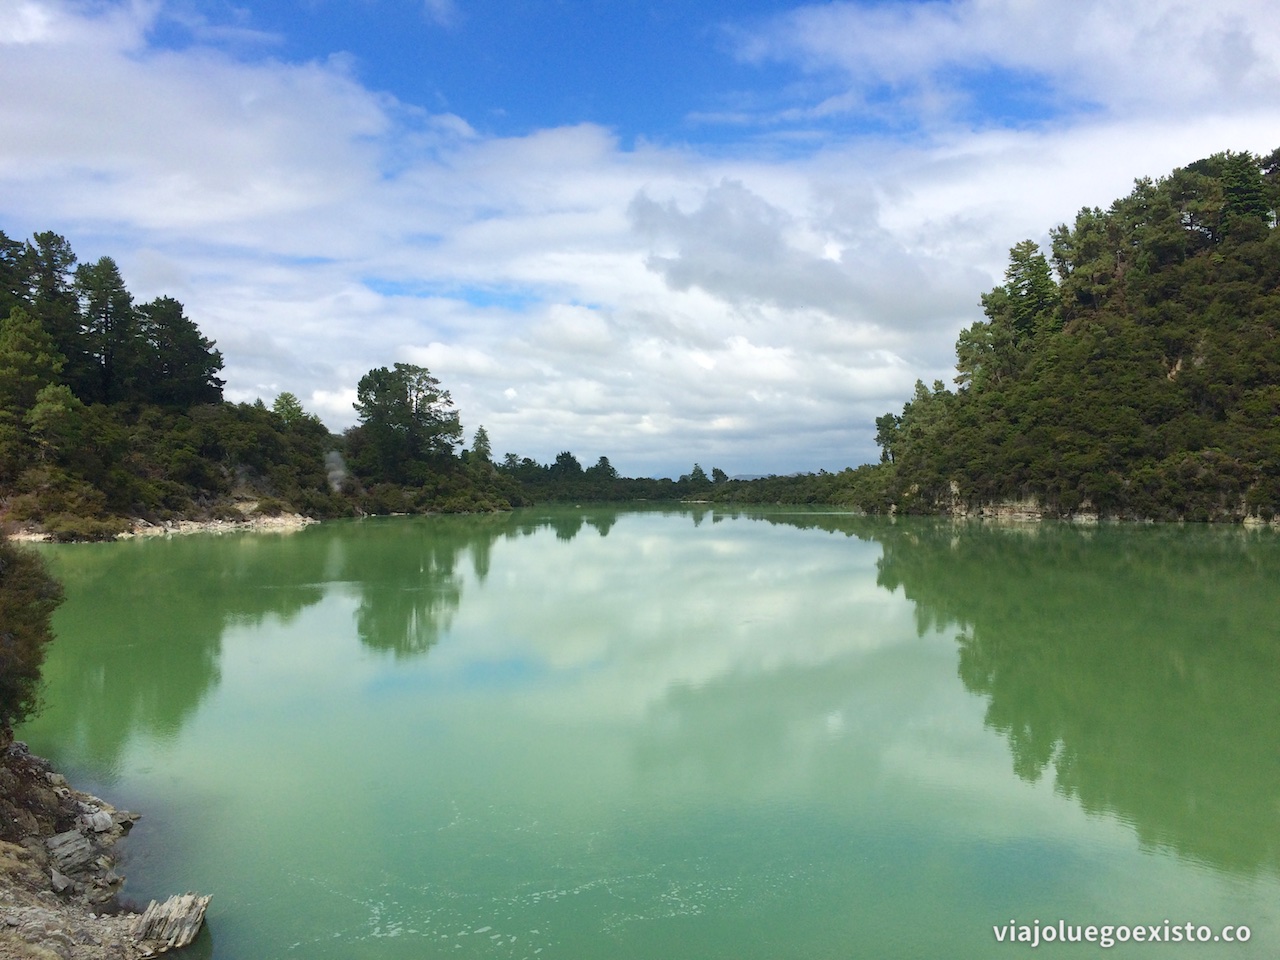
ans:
(59, 888)
(283, 523)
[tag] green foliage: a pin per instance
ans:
(13, 288)
(696, 478)
(179, 366)
(48, 291)
(601, 472)
(887, 428)
(289, 409)
(1143, 383)
(406, 423)
(480, 447)
(1031, 296)
(29, 361)
(566, 466)
(110, 329)
(863, 488)
(56, 421)
(28, 597)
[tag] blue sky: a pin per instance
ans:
(512, 67)
(655, 70)
(658, 231)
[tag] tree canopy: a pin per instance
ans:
(407, 420)
(1143, 381)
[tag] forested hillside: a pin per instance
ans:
(111, 409)
(1133, 371)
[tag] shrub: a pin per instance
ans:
(28, 596)
(270, 507)
(68, 527)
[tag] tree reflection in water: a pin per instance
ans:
(1136, 666)
(140, 635)
(144, 620)
(1140, 664)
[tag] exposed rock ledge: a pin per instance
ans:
(59, 890)
(284, 523)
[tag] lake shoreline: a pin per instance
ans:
(59, 887)
(1000, 512)
(138, 527)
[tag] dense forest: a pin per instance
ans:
(1133, 371)
(111, 409)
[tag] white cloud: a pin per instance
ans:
(28, 22)
(443, 12)
(1164, 54)
(332, 404)
(748, 309)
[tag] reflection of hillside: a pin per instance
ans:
(406, 568)
(1141, 664)
(139, 636)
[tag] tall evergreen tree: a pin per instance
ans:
(29, 362)
(480, 445)
(1032, 293)
(14, 289)
(50, 269)
(406, 418)
(288, 408)
(1245, 206)
(179, 365)
(111, 329)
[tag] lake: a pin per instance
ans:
(569, 734)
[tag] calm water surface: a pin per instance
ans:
(589, 733)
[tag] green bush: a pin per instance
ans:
(66, 527)
(270, 507)
(28, 596)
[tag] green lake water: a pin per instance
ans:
(574, 734)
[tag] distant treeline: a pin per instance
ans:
(1134, 371)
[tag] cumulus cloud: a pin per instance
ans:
(839, 260)
(1163, 54)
